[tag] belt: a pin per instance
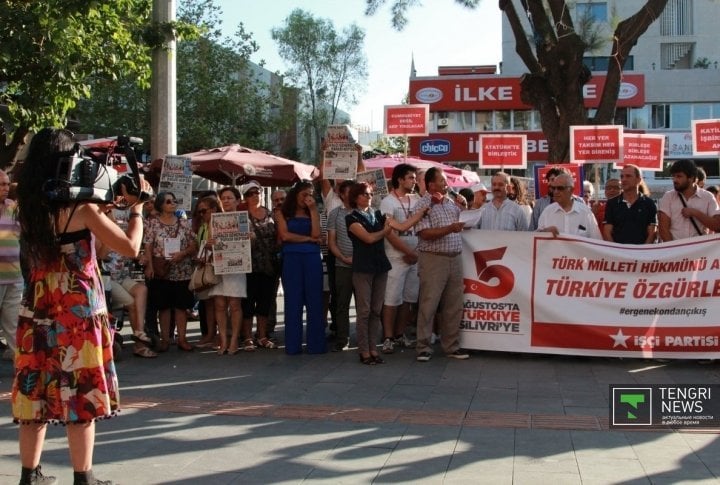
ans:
(442, 253)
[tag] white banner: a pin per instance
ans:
(529, 292)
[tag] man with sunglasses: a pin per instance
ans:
(542, 203)
(567, 214)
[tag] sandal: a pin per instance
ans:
(266, 343)
(369, 360)
(249, 345)
(141, 338)
(145, 352)
(377, 359)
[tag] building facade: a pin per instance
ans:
(672, 77)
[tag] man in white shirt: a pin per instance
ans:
(566, 215)
(401, 293)
(501, 213)
(687, 210)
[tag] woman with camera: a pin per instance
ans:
(64, 369)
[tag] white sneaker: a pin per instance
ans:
(388, 346)
(434, 338)
(459, 355)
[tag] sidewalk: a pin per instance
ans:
(265, 417)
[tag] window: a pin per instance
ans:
(660, 117)
(639, 118)
(522, 120)
(503, 120)
(597, 11)
(680, 115)
(483, 121)
(702, 112)
(676, 18)
(465, 120)
(676, 55)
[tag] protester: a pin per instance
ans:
(630, 218)
(401, 293)
(542, 203)
(588, 192)
(687, 210)
(479, 196)
(229, 291)
(170, 291)
(567, 215)
(204, 209)
(517, 192)
(64, 369)
(341, 247)
(277, 198)
(612, 189)
(298, 225)
(439, 269)
(261, 281)
(502, 214)
(11, 282)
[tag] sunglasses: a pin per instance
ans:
(558, 187)
(170, 201)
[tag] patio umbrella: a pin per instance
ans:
(456, 177)
(235, 165)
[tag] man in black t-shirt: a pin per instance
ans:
(631, 217)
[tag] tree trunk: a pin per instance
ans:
(8, 151)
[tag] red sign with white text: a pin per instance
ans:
(503, 151)
(645, 151)
(407, 120)
(596, 144)
(541, 182)
(466, 93)
(706, 137)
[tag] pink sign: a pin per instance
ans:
(407, 120)
(706, 137)
(596, 144)
(645, 151)
(503, 151)
(542, 184)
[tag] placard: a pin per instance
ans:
(596, 144)
(645, 151)
(706, 137)
(503, 151)
(407, 120)
(176, 177)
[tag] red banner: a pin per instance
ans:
(484, 93)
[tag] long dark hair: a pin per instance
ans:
(37, 215)
(289, 207)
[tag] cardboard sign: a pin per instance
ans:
(503, 151)
(541, 184)
(596, 144)
(407, 120)
(645, 151)
(706, 137)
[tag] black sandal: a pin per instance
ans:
(377, 359)
(369, 360)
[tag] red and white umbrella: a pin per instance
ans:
(456, 177)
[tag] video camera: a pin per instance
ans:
(82, 175)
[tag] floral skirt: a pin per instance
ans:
(64, 372)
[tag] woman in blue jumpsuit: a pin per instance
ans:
(298, 225)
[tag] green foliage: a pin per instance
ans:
(219, 101)
(399, 7)
(702, 63)
(327, 66)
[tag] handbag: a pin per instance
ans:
(203, 275)
(161, 266)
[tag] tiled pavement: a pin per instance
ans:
(264, 417)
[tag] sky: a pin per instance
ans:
(438, 33)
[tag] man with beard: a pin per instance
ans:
(502, 214)
(687, 211)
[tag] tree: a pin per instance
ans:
(553, 53)
(49, 50)
(328, 66)
(219, 100)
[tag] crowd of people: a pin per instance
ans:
(400, 261)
